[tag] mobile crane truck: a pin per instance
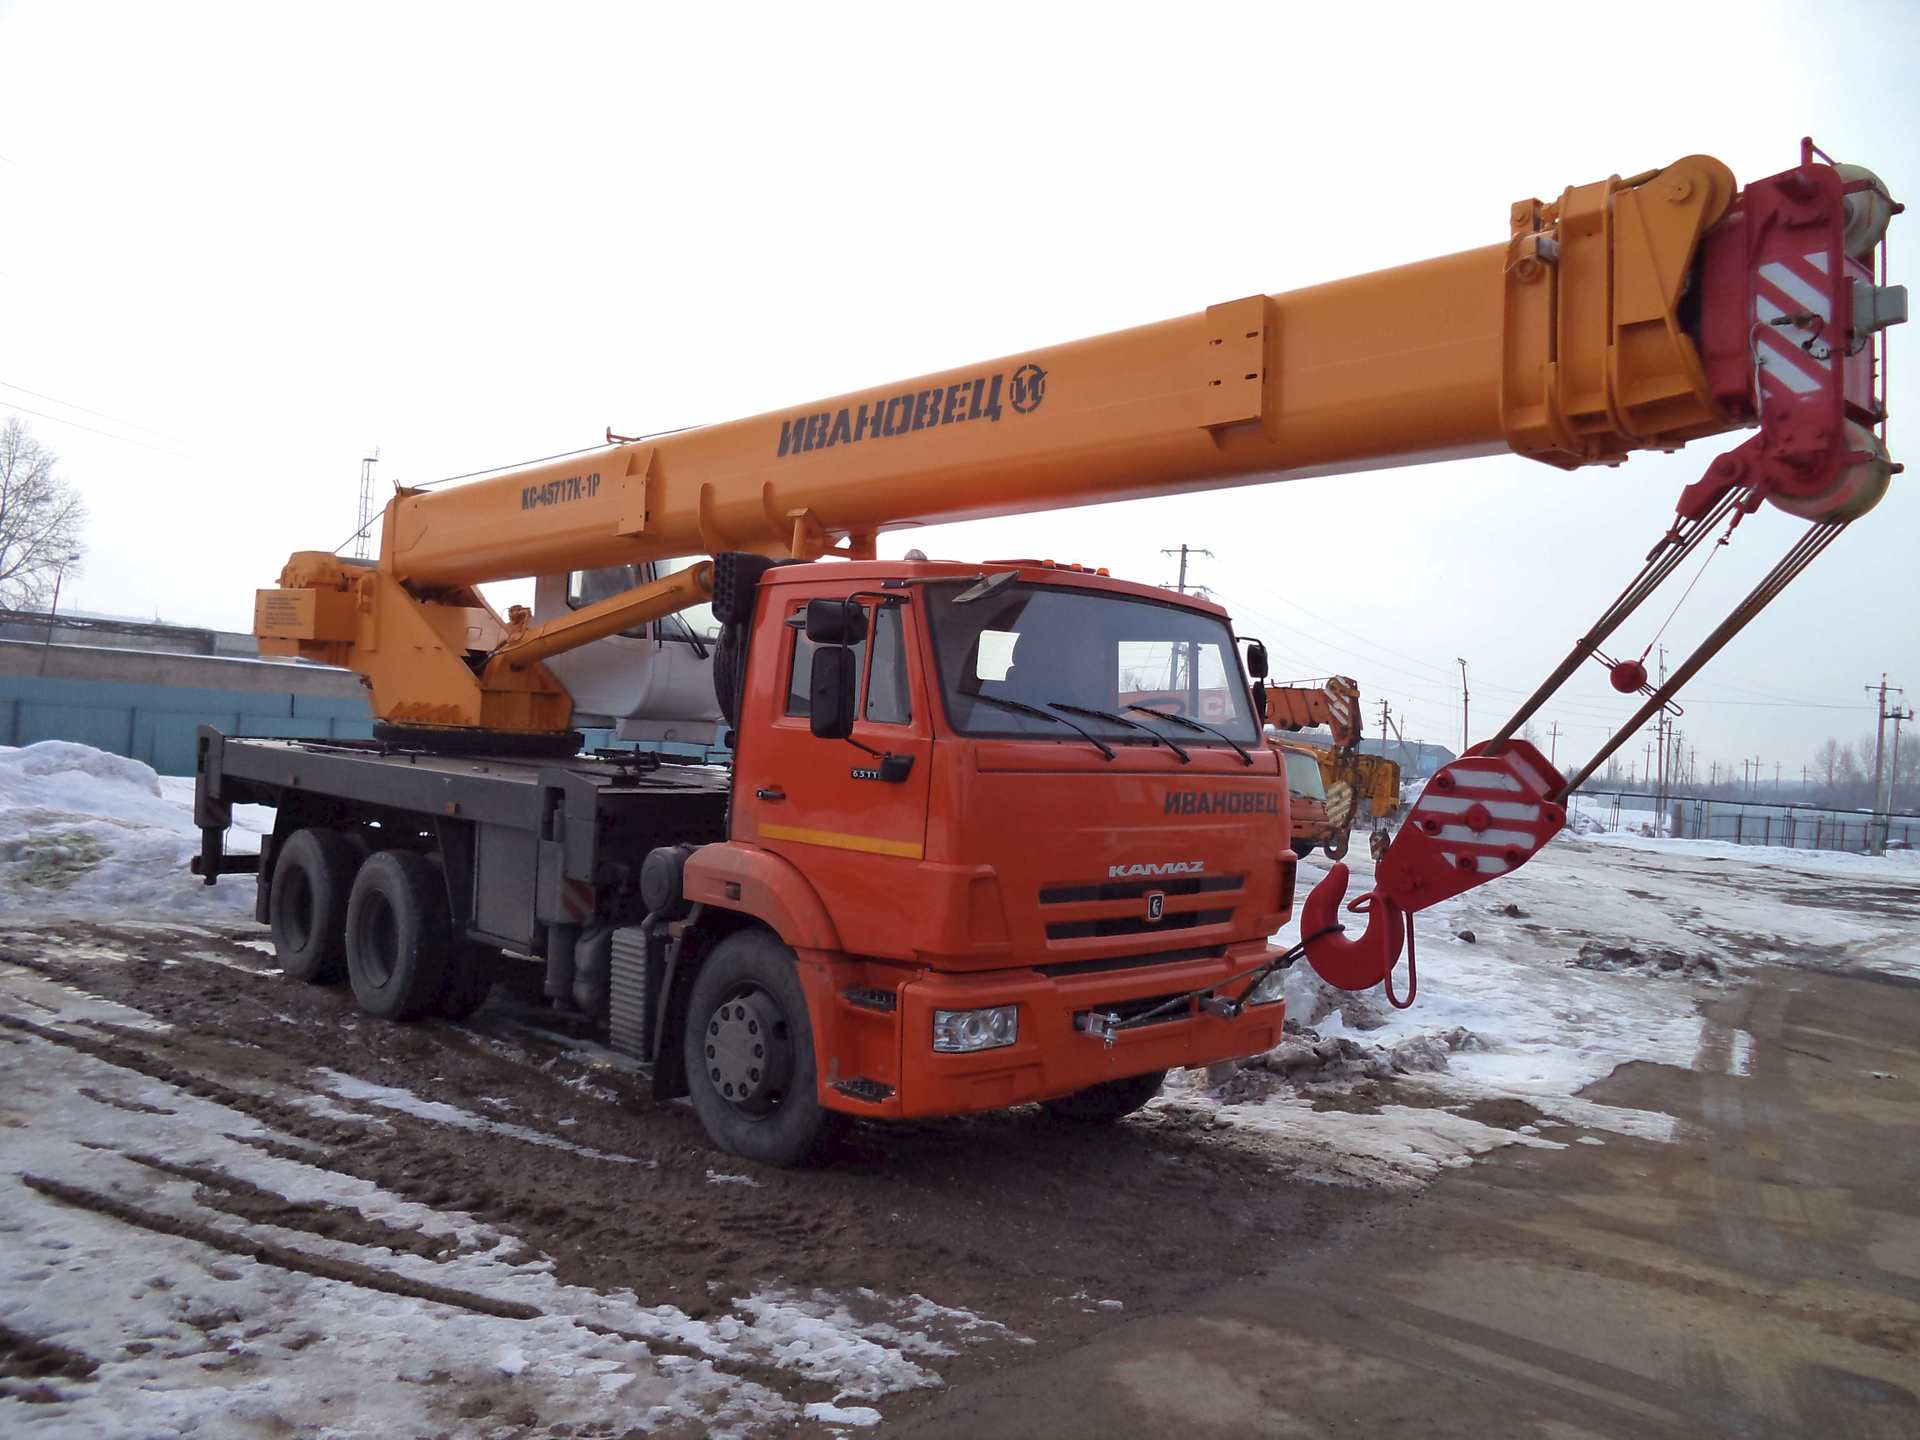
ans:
(1330, 783)
(977, 847)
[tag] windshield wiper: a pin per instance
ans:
(1192, 724)
(1147, 730)
(1020, 707)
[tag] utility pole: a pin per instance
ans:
(1183, 676)
(366, 504)
(1183, 552)
(1553, 744)
(1878, 832)
(1893, 770)
(1464, 741)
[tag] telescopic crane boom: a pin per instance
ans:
(1627, 314)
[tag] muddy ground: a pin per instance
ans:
(1029, 1222)
(1757, 1277)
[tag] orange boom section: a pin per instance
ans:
(1565, 342)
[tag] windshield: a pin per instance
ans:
(1303, 775)
(1051, 649)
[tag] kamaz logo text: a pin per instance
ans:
(1170, 867)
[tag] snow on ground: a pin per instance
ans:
(85, 834)
(1510, 1008)
(203, 1323)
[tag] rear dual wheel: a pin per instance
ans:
(307, 904)
(331, 902)
(397, 935)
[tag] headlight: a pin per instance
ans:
(1270, 989)
(962, 1030)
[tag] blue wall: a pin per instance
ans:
(157, 723)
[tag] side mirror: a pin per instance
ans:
(836, 622)
(1256, 660)
(830, 695)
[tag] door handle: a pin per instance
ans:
(770, 792)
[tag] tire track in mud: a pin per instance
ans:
(217, 1190)
(266, 1252)
(28, 1366)
(370, 1277)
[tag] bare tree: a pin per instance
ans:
(1827, 761)
(41, 519)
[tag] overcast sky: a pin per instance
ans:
(243, 245)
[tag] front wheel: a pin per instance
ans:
(749, 1054)
(1108, 1101)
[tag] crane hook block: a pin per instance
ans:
(1481, 816)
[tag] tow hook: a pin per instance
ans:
(1102, 1027)
(1221, 1006)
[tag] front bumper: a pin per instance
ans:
(1053, 1056)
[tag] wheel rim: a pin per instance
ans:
(296, 908)
(377, 938)
(748, 1051)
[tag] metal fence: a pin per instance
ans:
(1798, 827)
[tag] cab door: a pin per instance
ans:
(823, 804)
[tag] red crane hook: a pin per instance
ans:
(1351, 964)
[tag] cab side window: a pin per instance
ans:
(800, 672)
(882, 677)
(888, 702)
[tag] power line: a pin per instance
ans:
(85, 410)
(93, 430)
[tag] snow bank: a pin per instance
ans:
(89, 835)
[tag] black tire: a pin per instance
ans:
(398, 935)
(726, 672)
(1303, 848)
(746, 997)
(307, 904)
(470, 972)
(1107, 1102)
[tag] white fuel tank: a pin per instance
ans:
(654, 682)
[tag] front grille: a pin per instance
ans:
(1139, 889)
(1130, 962)
(1136, 924)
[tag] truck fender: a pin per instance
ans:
(744, 878)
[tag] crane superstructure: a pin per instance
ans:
(1043, 869)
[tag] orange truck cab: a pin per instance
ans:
(1307, 789)
(1001, 875)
